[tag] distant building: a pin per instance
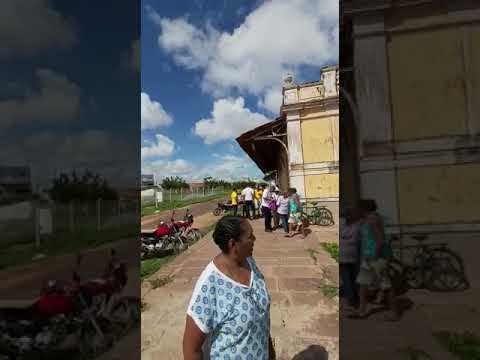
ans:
(195, 184)
(148, 181)
(15, 181)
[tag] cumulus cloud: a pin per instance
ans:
(30, 27)
(58, 99)
(277, 37)
(153, 115)
(228, 167)
(162, 146)
(49, 153)
(229, 119)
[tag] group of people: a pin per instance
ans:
(283, 208)
(364, 255)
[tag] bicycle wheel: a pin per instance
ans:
(446, 271)
(325, 217)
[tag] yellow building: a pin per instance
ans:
(416, 83)
(311, 112)
(300, 148)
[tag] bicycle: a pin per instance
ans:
(321, 215)
(433, 266)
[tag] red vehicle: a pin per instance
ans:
(176, 235)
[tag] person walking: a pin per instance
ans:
(248, 195)
(234, 200)
(228, 314)
(373, 266)
(266, 211)
(282, 210)
(295, 217)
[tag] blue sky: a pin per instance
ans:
(211, 70)
(70, 94)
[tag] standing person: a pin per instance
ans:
(295, 217)
(282, 210)
(266, 211)
(258, 200)
(349, 255)
(230, 303)
(234, 199)
(273, 208)
(373, 266)
(248, 194)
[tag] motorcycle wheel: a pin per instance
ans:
(217, 212)
(92, 344)
(125, 315)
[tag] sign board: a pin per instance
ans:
(148, 180)
(45, 221)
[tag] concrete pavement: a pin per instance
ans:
(301, 313)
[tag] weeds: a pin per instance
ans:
(159, 282)
(332, 249)
(312, 253)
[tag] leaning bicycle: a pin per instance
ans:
(432, 266)
(321, 215)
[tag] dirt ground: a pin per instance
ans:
(302, 312)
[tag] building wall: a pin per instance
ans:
(420, 117)
(313, 138)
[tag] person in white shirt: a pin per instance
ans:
(282, 210)
(248, 194)
(266, 210)
(273, 208)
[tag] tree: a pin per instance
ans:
(174, 183)
(88, 187)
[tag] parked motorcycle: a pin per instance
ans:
(82, 315)
(176, 236)
(222, 208)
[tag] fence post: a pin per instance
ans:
(99, 220)
(71, 215)
(170, 192)
(36, 224)
(181, 193)
(203, 190)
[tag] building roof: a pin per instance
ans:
(263, 152)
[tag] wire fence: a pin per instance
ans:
(152, 197)
(34, 222)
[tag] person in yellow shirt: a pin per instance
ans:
(234, 199)
(258, 200)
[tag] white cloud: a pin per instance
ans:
(272, 100)
(277, 37)
(228, 167)
(50, 153)
(29, 27)
(190, 47)
(229, 119)
(153, 115)
(163, 146)
(58, 99)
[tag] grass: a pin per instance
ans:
(151, 266)
(465, 346)
(332, 249)
(175, 204)
(312, 253)
(329, 291)
(63, 243)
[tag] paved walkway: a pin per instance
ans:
(302, 314)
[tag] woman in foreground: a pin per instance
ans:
(229, 312)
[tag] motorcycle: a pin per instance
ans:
(222, 208)
(176, 236)
(80, 315)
